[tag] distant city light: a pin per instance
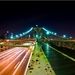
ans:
(70, 37)
(7, 31)
(7, 40)
(11, 37)
(29, 36)
(64, 36)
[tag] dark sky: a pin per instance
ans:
(18, 17)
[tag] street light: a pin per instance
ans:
(16, 35)
(20, 34)
(11, 37)
(36, 36)
(23, 33)
(55, 33)
(47, 32)
(64, 36)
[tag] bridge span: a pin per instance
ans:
(39, 55)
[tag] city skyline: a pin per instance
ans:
(21, 17)
(37, 37)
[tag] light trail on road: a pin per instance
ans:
(15, 61)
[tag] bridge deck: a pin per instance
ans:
(39, 64)
(61, 61)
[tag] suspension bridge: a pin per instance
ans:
(37, 51)
(39, 34)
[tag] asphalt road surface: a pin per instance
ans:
(14, 61)
(61, 63)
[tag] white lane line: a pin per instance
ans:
(17, 64)
(12, 62)
(28, 62)
(63, 54)
(9, 58)
(49, 63)
(20, 63)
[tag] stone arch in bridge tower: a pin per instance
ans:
(37, 31)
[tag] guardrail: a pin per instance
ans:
(64, 43)
(15, 45)
(1, 40)
(71, 41)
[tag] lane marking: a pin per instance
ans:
(62, 53)
(17, 64)
(12, 62)
(49, 63)
(37, 70)
(20, 64)
(28, 62)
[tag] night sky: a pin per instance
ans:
(17, 17)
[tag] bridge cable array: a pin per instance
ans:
(20, 35)
(53, 33)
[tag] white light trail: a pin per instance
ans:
(28, 64)
(29, 60)
(17, 64)
(6, 54)
(20, 64)
(12, 62)
(9, 58)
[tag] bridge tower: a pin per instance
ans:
(37, 32)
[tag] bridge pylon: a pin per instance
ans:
(37, 31)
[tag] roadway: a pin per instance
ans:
(61, 63)
(15, 61)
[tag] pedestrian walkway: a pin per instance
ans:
(39, 64)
